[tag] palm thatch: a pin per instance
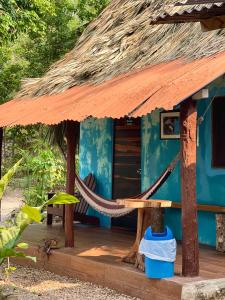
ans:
(123, 39)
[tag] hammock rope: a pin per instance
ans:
(110, 207)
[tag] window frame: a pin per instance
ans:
(214, 160)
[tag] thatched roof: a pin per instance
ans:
(122, 39)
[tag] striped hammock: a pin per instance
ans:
(110, 207)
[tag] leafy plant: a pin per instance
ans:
(23, 15)
(4, 181)
(10, 234)
(36, 33)
(45, 171)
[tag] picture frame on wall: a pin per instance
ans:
(170, 125)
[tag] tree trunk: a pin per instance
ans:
(153, 217)
(190, 247)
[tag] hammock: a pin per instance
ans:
(111, 208)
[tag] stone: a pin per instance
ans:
(8, 297)
(220, 232)
(204, 290)
(12, 297)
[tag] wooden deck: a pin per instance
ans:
(97, 258)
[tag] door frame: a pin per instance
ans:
(113, 152)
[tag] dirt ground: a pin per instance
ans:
(11, 200)
(32, 284)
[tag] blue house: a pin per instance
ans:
(141, 93)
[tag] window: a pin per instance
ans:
(218, 132)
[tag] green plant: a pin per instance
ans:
(36, 33)
(44, 171)
(23, 15)
(4, 181)
(10, 233)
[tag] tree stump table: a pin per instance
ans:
(150, 213)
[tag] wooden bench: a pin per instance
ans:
(203, 207)
(80, 209)
(220, 211)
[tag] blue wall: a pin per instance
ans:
(156, 155)
(96, 155)
(96, 148)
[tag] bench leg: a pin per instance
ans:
(49, 217)
(63, 219)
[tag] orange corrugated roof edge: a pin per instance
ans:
(134, 94)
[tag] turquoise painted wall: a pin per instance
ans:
(96, 149)
(96, 155)
(156, 155)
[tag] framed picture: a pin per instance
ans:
(170, 125)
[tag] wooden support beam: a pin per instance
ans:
(202, 94)
(214, 23)
(71, 136)
(190, 247)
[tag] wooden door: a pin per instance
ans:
(127, 165)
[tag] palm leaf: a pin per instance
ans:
(62, 198)
(4, 181)
(13, 253)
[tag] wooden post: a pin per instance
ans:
(71, 129)
(1, 143)
(190, 247)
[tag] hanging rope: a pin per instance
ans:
(202, 117)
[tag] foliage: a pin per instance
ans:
(8, 234)
(36, 33)
(43, 169)
(87, 10)
(58, 37)
(11, 233)
(4, 181)
(13, 67)
(7, 177)
(34, 16)
(22, 139)
(23, 15)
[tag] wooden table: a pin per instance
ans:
(150, 213)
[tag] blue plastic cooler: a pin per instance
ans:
(158, 268)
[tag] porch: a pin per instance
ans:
(97, 258)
